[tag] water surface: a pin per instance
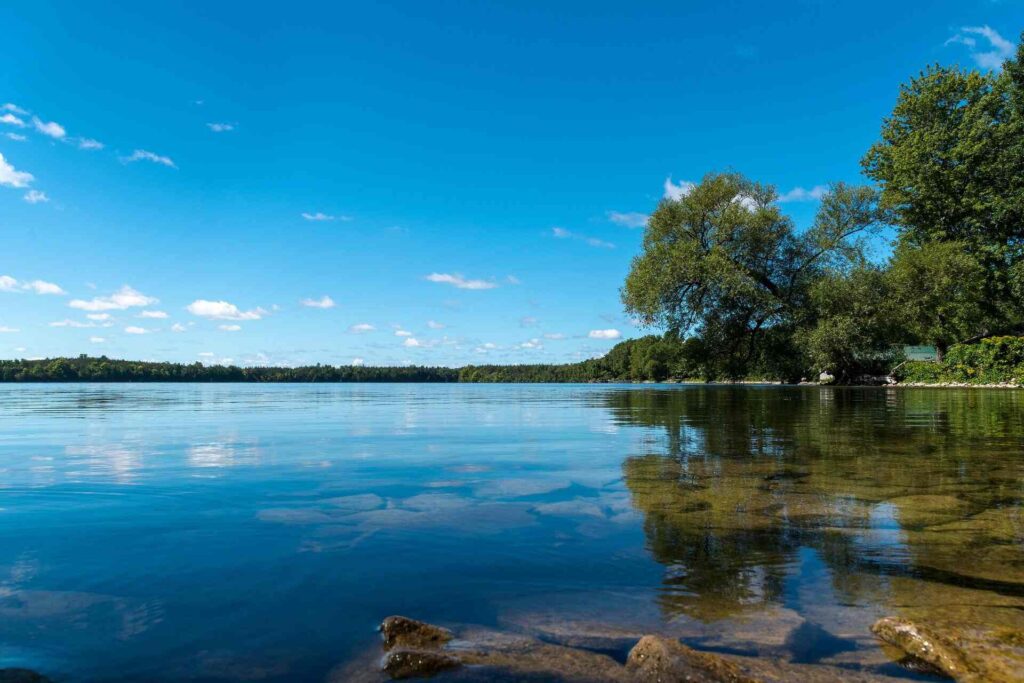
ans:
(260, 532)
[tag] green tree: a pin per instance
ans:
(723, 263)
(950, 164)
(940, 290)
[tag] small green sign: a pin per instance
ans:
(920, 353)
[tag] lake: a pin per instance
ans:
(261, 532)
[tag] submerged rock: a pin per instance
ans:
(964, 654)
(404, 632)
(402, 663)
(417, 649)
(660, 659)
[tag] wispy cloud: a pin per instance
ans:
(434, 325)
(563, 234)
(402, 333)
(158, 315)
(12, 120)
(1001, 48)
(89, 144)
(222, 310)
(144, 155)
(10, 284)
(321, 216)
(457, 280)
(126, 297)
(49, 128)
(532, 344)
(13, 108)
(411, 342)
(554, 335)
(12, 177)
(229, 328)
(678, 190)
(4, 329)
(220, 127)
(35, 197)
(97, 340)
(630, 219)
(323, 302)
(132, 329)
(361, 328)
(178, 327)
(800, 194)
(17, 137)
(604, 334)
(68, 322)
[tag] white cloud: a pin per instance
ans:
(554, 335)
(97, 340)
(457, 280)
(563, 234)
(15, 136)
(143, 155)
(1002, 49)
(68, 322)
(35, 197)
(527, 321)
(358, 362)
(434, 325)
(98, 316)
(403, 333)
(222, 310)
(321, 216)
(13, 108)
(12, 120)
(513, 280)
(630, 219)
(126, 297)
(10, 284)
(799, 194)
(52, 129)
(220, 127)
(4, 329)
(361, 328)
(323, 302)
(678, 191)
(178, 327)
(229, 328)
(159, 315)
(89, 144)
(604, 334)
(11, 177)
(131, 329)
(532, 344)
(43, 287)
(205, 354)
(411, 342)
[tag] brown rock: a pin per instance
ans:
(402, 663)
(659, 659)
(404, 632)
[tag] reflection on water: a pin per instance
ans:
(238, 532)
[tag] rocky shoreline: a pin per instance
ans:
(415, 649)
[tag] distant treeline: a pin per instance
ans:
(103, 369)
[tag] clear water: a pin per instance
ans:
(244, 532)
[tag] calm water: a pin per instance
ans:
(242, 532)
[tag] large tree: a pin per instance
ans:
(950, 165)
(725, 264)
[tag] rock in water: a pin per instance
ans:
(404, 632)
(402, 663)
(659, 659)
(967, 654)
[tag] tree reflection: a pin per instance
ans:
(880, 483)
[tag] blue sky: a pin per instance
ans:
(425, 182)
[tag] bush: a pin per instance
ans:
(991, 361)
